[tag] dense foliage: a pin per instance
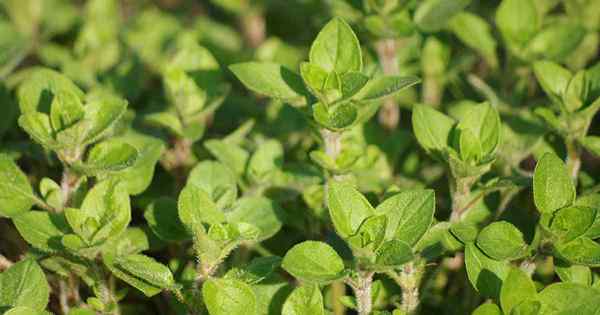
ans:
(299, 157)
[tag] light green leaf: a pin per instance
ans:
(369, 236)
(306, 299)
(517, 21)
(557, 41)
(517, 288)
(24, 310)
(569, 298)
(196, 207)
(229, 297)
(37, 90)
(580, 251)
(502, 240)
(487, 309)
(553, 78)
(259, 269)
(231, 155)
(313, 262)
(393, 254)
(147, 269)
(260, 212)
(335, 117)
(216, 180)
(476, 33)
(552, 185)
(42, 229)
(573, 273)
(336, 48)
(24, 284)
(483, 121)
(384, 86)
(102, 111)
(409, 213)
(267, 159)
(485, 274)
(16, 194)
(348, 208)
(592, 144)
(111, 155)
(431, 128)
(270, 79)
(571, 222)
(37, 125)
(433, 15)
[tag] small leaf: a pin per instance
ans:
(433, 15)
(16, 194)
(476, 33)
(267, 159)
(409, 213)
(568, 298)
(580, 251)
(432, 128)
(335, 117)
(552, 185)
(261, 212)
(502, 240)
(393, 254)
(147, 269)
(487, 309)
(573, 273)
(571, 222)
(216, 180)
(259, 269)
(229, 297)
(557, 41)
(102, 111)
(36, 92)
(384, 86)
(42, 229)
(231, 155)
(553, 78)
(313, 262)
(306, 299)
(517, 21)
(592, 144)
(195, 207)
(369, 236)
(24, 284)
(37, 125)
(336, 48)
(270, 79)
(485, 274)
(348, 208)
(111, 155)
(517, 288)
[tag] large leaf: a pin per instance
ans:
(552, 185)
(229, 297)
(16, 194)
(24, 284)
(270, 79)
(336, 48)
(433, 15)
(485, 274)
(42, 229)
(306, 299)
(348, 208)
(314, 262)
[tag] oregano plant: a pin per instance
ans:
(369, 157)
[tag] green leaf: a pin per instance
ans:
(267, 159)
(571, 222)
(51, 192)
(102, 112)
(527, 308)
(313, 262)
(393, 254)
(229, 297)
(195, 207)
(37, 91)
(580, 251)
(261, 212)
(37, 125)
(465, 232)
(16, 194)
(24, 310)
(552, 185)
(384, 86)
(517, 288)
(483, 121)
(517, 21)
(162, 217)
(369, 236)
(568, 298)
(335, 117)
(591, 201)
(66, 109)
(216, 180)
(108, 204)
(487, 309)
(409, 213)
(573, 273)
(229, 154)
(575, 94)
(147, 269)
(24, 284)
(592, 144)
(485, 274)
(476, 33)
(553, 78)
(111, 155)
(348, 208)
(432, 128)
(557, 41)
(270, 79)
(433, 15)
(336, 48)
(306, 299)
(259, 269)
(42, 229)
(502, 240)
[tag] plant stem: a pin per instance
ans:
(408, 279)
(362, 291)
(67, 185)
(5, 263)
(573, 159)
(389, 114)
(337, 291)
(460, 189)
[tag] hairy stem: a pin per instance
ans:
(573, 159)
(362, 290)
(389, 114)
(67, 186)
(460, 189)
